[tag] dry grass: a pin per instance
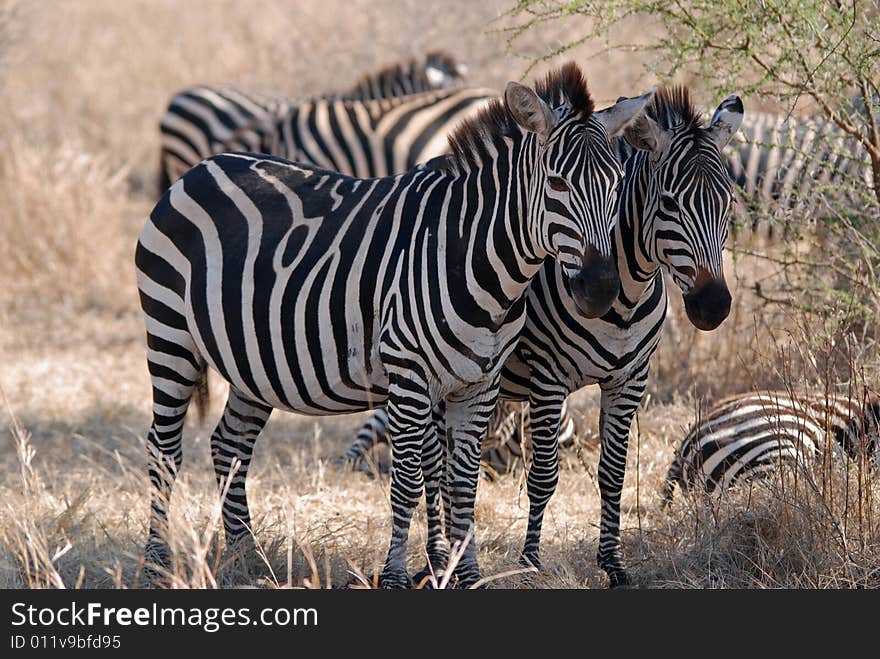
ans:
(78, 159)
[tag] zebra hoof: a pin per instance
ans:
(433, 572)
(426, 578)
(619, 581)
(530, 560)
(157, 562)
(467, 577)
(395, 580)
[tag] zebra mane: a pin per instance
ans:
(672, 106)
(470, 142)
(416, 67)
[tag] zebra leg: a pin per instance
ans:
(673, 477)
(175, 367)
(409, 421)
(619, 404)
(467, 418)
(372, 433)
(545, 409)
(232, 446)
(433, 454)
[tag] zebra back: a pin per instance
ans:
(202, 121)
(365, 139)
(779, 160)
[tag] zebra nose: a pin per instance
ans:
(596, 286)
(708, 302)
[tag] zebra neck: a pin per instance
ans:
(491, 255)
(633, 234)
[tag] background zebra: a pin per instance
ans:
(309, 291)
(200, 121)
(781, 162)
(755, 433)
(502, 448)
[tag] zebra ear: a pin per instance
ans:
(528, 110)
(621, 114)
(645, 134)
(726, 121)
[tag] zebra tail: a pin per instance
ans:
(672, 477)
(164, 179)
(202, 396)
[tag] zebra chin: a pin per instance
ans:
(708, 303)
(596, 285)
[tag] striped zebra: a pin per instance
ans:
(319, 293)
(781, 160)
(750, 435)
(672, 220)
(502, 447)
(200, 121)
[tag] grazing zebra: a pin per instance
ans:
(502, 446)
(779, 159)
(319, 293)
(200, 121)
(751, 434)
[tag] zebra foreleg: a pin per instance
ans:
(619, 404)
(409, 422)
(545, 407)
(232, 446)
(467, 418)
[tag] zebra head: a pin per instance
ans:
(572, 199)
(687, 197)
(442, 70)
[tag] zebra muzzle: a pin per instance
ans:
(708, 302)
(596, 286)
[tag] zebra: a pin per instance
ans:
(366, 138)
(319, 293)
(672, 219)
(200, 120)
(502, 447)
(752, 434)
(778, 160)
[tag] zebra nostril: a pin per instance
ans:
(596, 286)
(708, 303)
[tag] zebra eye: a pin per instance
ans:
(557, 183)
(669, 201)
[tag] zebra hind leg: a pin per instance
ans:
(232, 446)
(175, 367)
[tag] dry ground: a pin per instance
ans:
(82, 86)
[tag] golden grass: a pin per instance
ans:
(78, 160)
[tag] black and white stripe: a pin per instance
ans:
(782, 160)
(319, 293)
(756, 433)
(202, 121)
(504, 446)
